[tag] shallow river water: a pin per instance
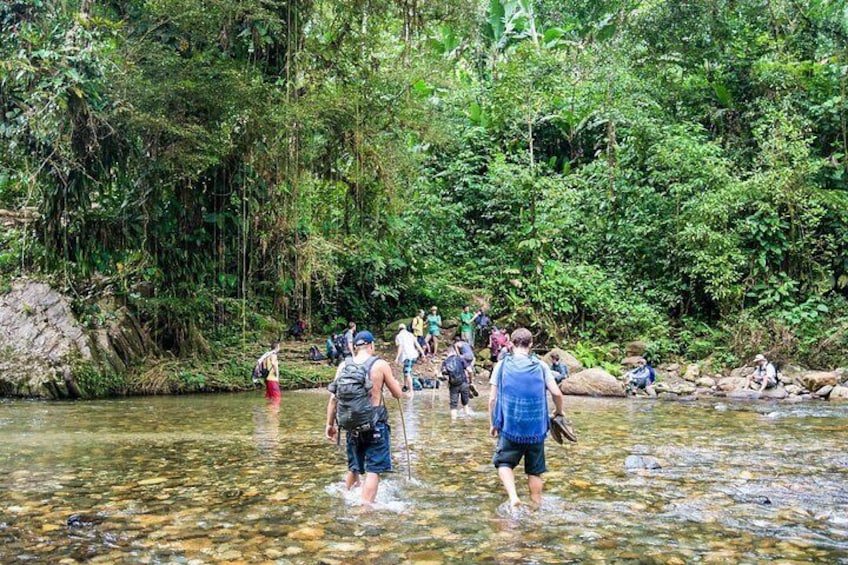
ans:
(223, 478)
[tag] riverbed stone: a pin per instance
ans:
(794, 389)
(570, 360)
(592, 382)
(814, 380)
(838, 394)
(706, 382)
(744, 395)
(823, 392)
(842, 374)
(668, 370)
(741, 372)
(692, 373)
(633, 462)
(729, 384)
(775, 393)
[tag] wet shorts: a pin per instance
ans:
(407, 366)
(458, 393)
(272, 390)
(369, 452)
(509, 453)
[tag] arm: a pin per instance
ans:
(389, 379)
(556, 395)
(330, 430)
(493, 396)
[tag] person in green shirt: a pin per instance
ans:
(466, 325)
(434, 329)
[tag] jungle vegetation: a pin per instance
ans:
(602, 170)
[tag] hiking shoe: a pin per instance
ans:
(473, 390)
(560, 428)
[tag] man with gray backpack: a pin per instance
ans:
(455, 367)
(357, 406)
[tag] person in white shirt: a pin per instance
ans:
(764, 374)
(408, 351)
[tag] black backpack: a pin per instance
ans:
(261, 369)
(454, 368)
(352, 388)
(340, 343)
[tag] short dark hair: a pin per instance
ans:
(555, 356)
(522, 338)
(351, 324)
(275, 344)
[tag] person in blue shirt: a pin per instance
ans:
(559, 368)
(641, 377)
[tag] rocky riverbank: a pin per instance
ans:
(676, 381)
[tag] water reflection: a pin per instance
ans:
(228, 478)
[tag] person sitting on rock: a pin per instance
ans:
(559, 368)
(639, 378)
(764, 373)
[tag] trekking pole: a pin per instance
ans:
(405, 441)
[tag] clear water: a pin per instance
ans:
(223, 478)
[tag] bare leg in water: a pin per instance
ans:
(535, 484)
(351, 480)
(369, 489)
(507, 476)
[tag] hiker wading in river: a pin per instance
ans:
(518, 410)
(357, 406)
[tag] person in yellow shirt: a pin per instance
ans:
(418, 328)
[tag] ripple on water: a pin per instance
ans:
(390, 496)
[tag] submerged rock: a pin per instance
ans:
(641, 462)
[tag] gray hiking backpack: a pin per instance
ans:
(353, 393)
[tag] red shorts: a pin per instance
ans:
(272, 390)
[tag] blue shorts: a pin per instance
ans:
(370, 452)
(509, 453)
(407, 367)
(421, 341)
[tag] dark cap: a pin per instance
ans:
(363, 338)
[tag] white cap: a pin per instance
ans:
(759, 357)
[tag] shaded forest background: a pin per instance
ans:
(601, 170)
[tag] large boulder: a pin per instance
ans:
(815, 380)
(842, 374)
(838, 394)
(44, 350)
(636, 349)
(592, 382)
(570, 360)
(390, 330)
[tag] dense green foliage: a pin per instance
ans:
(604, 169)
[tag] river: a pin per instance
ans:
(224, 478)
